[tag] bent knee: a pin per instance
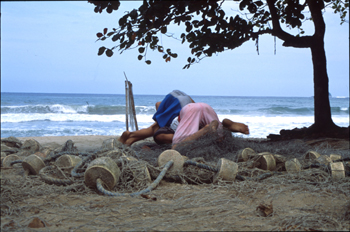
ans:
(164, 138)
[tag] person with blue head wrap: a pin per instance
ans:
(165, 120)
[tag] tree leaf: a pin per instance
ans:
(148, 62)
(99, 35)
(115, 37)
(167, 59)
(105, 31)
(140, 57)
(101, 50)
(109, 53)
(141, 49)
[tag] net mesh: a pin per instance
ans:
(308, 200)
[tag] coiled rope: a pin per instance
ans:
(80, 164)
(200, 165)
(53, 180)
(16, 162)
(148, 189)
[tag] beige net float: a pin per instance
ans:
(30, 146)
(293, 166)
(68, 161)
(266, 161)
(6, 162)
(177, 158)
(337, 170)
(108, 144)
(103, 168)
(245, 154)
(227, 170)
(311, 155)
(335, 157)
(33, 164)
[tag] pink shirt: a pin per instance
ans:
(193, 117)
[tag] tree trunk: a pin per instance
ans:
(323, 118)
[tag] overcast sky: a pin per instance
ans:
(49, 47)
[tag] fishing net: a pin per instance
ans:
(308, 200)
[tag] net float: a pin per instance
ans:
(68, 161)
(227, 170)
(108, 144)
(245, 154)
(103, 168)
(267, 161)
(174, 155)
(31, 146)
(335, 157)
(337, 170)
(311, 155)
(293, 165)
(6, 161)
(33, 164)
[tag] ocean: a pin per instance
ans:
(53, 114)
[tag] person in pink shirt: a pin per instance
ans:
(197, 119)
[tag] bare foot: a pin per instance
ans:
(213, 126)
(124, 137)
(240, 127)
(235, 126)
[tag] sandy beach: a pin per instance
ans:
(82, 142)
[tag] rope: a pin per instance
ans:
(148, 189)
(76, 153)
(90, 156)
(200, 165)
(52, 180)
(258, 178)
(80, 164)
(16, 162)
(324, 167)
(55, 156)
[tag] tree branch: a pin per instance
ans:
(289, 40)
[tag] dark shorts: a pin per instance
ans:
(162, 130)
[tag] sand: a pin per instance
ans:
(82, 142)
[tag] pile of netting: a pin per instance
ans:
(139, 168)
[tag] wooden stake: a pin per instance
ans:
(126, 104)
(131, 95)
